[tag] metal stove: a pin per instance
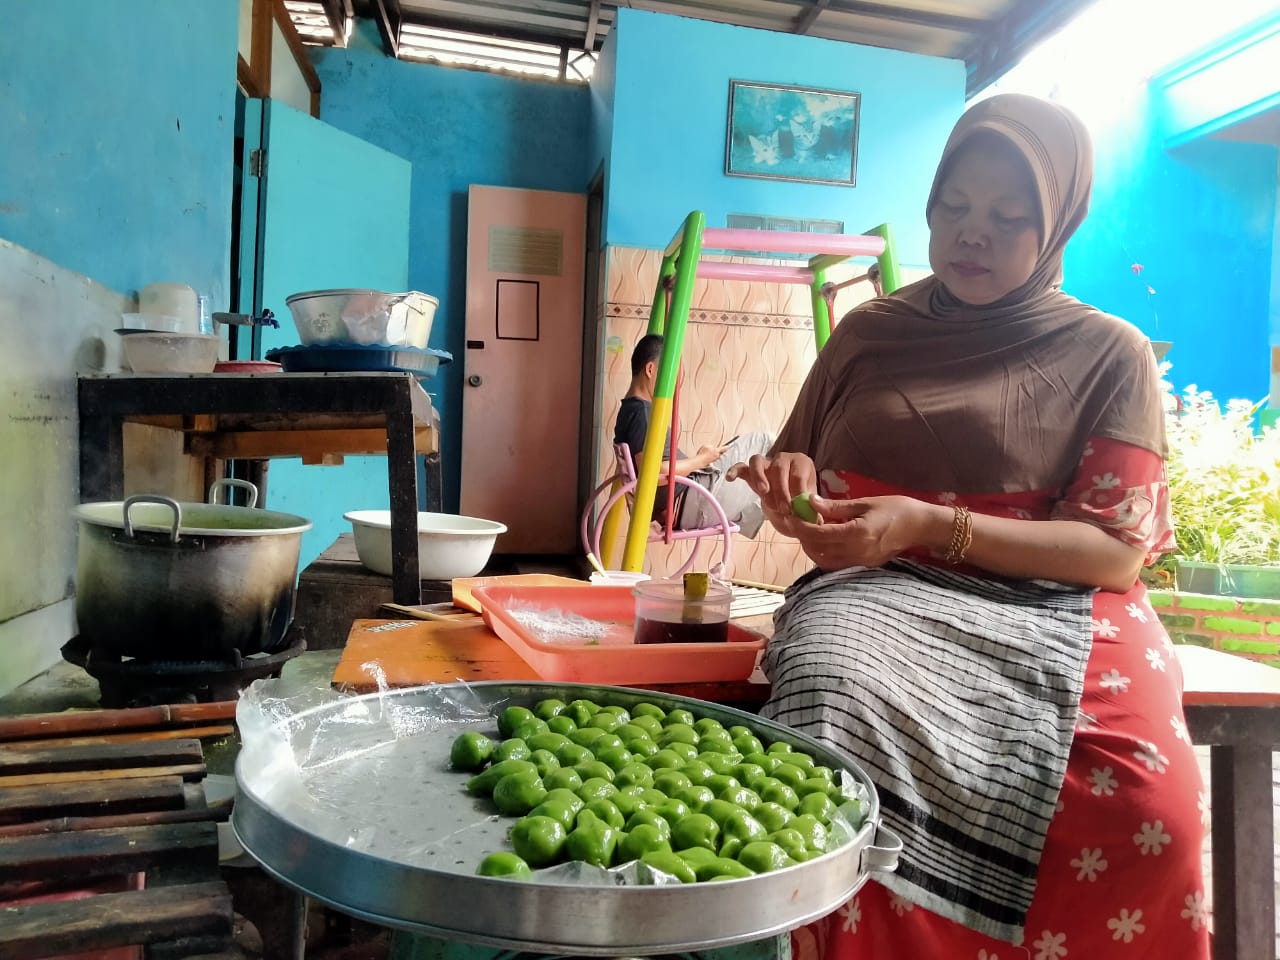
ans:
(130, 682)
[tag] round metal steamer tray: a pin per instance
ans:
(402, 847)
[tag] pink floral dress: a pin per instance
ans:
(1120, 875)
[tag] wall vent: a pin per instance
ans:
(526, 250)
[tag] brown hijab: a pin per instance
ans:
(923, 391)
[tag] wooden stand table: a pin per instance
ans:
(1233, 706)
(255, 417)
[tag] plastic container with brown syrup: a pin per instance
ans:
(667, 612)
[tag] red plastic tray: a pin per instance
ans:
(613, 658)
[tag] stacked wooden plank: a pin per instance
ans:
(107, 845)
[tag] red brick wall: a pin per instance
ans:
(1238, 625)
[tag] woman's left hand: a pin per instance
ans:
(868, 532)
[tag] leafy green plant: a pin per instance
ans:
(1224, 480)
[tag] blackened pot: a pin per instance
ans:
(163, 580)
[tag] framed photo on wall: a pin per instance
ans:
(792, 133)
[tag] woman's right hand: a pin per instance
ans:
(777, 479)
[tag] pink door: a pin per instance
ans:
(523, 364)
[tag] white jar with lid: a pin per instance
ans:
(172, 300)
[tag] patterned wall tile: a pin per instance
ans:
(748, 347)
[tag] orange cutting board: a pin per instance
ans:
(462, 586)
(409, 653)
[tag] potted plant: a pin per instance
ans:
(1224, 490)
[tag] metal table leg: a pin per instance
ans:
(1244, 923)
(432, 474)
(297, 925)
(402, 479)
(101, 456)
(255, 471)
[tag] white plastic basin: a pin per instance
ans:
(448, 546)
(170, 352)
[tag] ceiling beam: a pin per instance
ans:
(806, 19)
(464, 25)
(593, 23)
(290, 33)
(338, 13)
(498, 17)
(899, 14)
(1002, 44)
(386, 14)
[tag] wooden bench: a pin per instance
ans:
(1233, 707)
(84, 826)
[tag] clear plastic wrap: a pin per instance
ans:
(376, 318)
(569, 628)
(371, 774)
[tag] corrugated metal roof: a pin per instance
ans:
(989, 35)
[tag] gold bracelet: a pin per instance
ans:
(961, 535)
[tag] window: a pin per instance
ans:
(757, 221)
(458, 48)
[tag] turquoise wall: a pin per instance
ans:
(306, 159)
(1207, 93)
(457, 127)
(1198, 213)
(118, 122)
(1274, 323)
(671, 94)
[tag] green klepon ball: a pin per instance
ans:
(802, 507)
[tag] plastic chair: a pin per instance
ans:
(623, 484)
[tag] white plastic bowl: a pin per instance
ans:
(448, 546)
(170, 352)
(618, 578)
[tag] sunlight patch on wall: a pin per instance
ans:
(1117, 44)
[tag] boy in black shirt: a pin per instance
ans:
(707, 467)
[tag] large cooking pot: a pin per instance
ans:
(163, 580)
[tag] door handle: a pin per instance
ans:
(475, 380)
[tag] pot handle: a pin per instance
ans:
(229, 482)
(881, 855)
(150, 498)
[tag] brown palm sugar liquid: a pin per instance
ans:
(662, 631)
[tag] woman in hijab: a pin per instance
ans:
(986, 456)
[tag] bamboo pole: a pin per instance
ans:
(72, 824)
(771, 587)
(462, 617)
(185, 770)
(133, 736)
(134, 718)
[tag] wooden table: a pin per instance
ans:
(256, 417)
(1233, 705)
